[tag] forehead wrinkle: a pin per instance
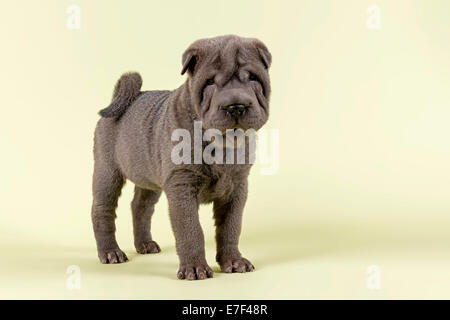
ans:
(213, 59)
(229, 61)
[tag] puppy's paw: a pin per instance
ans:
(147, 247)
(112, 256)
(198, 271)
(236, 265)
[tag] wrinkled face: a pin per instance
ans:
(229, 82)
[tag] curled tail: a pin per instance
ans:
(126, 91)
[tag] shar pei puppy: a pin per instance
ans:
(138, 139)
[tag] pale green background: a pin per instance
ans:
(364, 153)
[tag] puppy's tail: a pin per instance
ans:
(127, 89)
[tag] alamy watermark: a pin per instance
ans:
(235, 146)
(74, 17)
(374, 277)
(73, 282)
(373, 21)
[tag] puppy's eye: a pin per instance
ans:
(252, 77)
(210, 81)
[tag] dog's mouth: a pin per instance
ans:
(235, 130)
(234, 127)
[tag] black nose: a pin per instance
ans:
(236, 110)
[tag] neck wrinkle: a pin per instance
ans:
(184, 114)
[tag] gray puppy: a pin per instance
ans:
(227, 87)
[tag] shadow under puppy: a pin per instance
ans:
(228, 87)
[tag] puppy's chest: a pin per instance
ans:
(221, 183)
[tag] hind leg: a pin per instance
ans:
(142, 207)
(107, 186)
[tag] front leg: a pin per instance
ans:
(228, 217)
(182, 193)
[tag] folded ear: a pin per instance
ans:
(189, 60)
(264, 53)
